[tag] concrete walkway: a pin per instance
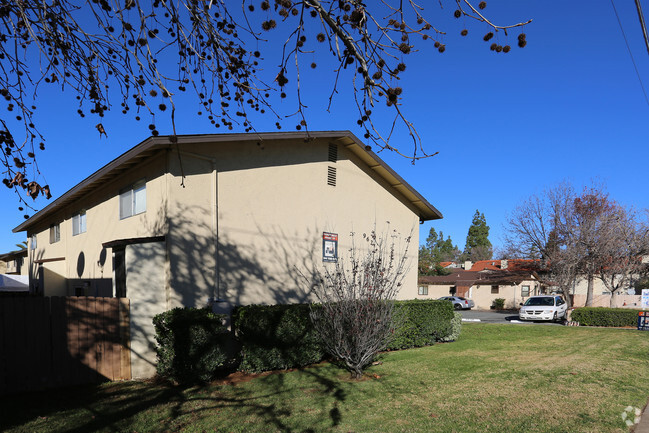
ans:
(643, 425)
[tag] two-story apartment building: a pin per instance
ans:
(229, 219)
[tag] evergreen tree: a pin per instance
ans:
(436, 250)
(477, 245)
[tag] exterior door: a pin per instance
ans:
(119, 263)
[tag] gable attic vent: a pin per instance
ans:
(333, 152)
(331, 176)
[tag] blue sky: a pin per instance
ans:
(569, 106)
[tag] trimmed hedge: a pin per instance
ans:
(193, 344)
(421, 323)
(276, 337)
(456, 328)
(601, 316)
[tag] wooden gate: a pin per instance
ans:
(62, 341)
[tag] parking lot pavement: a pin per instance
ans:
(491, 316)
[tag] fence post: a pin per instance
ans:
(125, 337)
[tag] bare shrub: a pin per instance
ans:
(355, 318)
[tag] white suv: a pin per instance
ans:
(543, 308)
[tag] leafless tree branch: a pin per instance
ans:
(115, 53)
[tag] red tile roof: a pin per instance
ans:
(481, 265)
(463, 278)
(497, 265)
(524, 265)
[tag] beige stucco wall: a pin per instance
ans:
(24, 266)
(260, 209)
(243, 225)
(273, 204)
(619, 301)
(9, 267)
(52, 278)
(191, 230)
(85, 259)
(599, 289)
(145, 282)
(15, 265)
(435, 291)
(482, 296)
(581, 287)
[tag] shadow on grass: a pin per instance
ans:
(159, 406)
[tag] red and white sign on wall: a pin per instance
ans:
(329, 247)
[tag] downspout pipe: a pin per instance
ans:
(216, 289)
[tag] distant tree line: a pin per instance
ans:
(437, 249)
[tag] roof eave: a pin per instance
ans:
(426, 211)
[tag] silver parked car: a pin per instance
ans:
(543, 308)
(459, 303)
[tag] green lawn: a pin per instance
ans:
(495, 378)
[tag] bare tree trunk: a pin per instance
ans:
(612, 303)
(566, 295)
(589, 293)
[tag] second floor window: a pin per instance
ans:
(79, 223)
(132, 201)
(55, 233)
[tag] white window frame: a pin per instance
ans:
(55, 233)
(79, 223)
(32, 242)
(132, 200)
(523, 291)
(423, 290)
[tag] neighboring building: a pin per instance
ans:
(462, 279)
(14, 263)
(14, 272)
(624, 297)
(497, 265)
(450, 265)
(231, 219)
(482, 287)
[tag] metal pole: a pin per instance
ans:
(642, 23)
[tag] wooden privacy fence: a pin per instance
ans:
(62, 341)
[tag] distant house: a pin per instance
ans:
(227, 219)
(14, 272)
(14, 263)
(482, 287)
(462, 279)
(625, 297)
(502, 265)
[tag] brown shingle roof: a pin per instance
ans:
(470, 278)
